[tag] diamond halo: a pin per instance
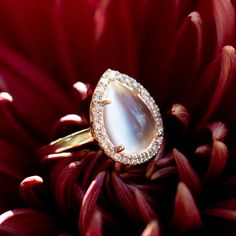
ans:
(97, 120)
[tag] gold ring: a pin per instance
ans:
(125, 121)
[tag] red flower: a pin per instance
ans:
(182, 52)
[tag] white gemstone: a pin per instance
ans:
(132, 119)
(127, 120)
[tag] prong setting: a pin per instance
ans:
(99, 101)
(119, 148)
(104, 102)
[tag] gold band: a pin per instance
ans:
(68, 142)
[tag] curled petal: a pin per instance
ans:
(22, 222)
(5, 97)
(224, 16)
(146, 212)
(186, 215)
(219, 131)
(84, 90)
(181, 51)
(152, 229)
(219, 157)
(68, 122)
(31, 189)
(186, 173)
(95, 228)
(203, 150)
(89, 203)
(228, 69)
(181, 113)
(64, 186)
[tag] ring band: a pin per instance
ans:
(124, 120)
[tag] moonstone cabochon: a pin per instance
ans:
(127, 120)
(132, 119)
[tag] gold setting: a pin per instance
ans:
(119, 148)
(105, 102)
(97, 124)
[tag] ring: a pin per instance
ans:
(125, 122)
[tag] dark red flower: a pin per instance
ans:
(52, 53)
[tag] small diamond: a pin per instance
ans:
(104, 145)
(97, 117)
(120, 78)
(126, 160)
(133, 161)
(118, 157)
(138, 161)
(100, 136)
(110, 150)
(97, 107)
(97, 96)
(97, 126)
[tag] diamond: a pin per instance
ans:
(118, 157)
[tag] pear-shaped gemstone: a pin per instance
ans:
(127, 119)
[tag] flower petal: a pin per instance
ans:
(186, 173)
(84, 90)
(5, 97)
(13, 161)
(125, 196)
(22, 222)
(224, 15)
(182, 52)
(28, 85)
(152, 229)
(219, 24)
(219, 131)
(227, 73)
(146, 211)
(219, 157)
(64, 185)
(222, 213)
(164, 172)
(95, 228)
(89, 203)
(186, 215)
(67, 124)
(32, 191)
(181, 113)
